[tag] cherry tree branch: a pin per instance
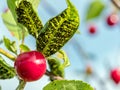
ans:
(48, 73)
(116, 3)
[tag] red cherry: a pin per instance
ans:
(112, 19)
(115, 75)
(30, 66)
(92, 29)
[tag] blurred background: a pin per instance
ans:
(94, 53)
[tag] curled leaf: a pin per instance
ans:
(65, 58)
(55, 66)
(58, 31)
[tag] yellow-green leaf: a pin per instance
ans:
(58, 31)
(6, 71)
(24, 48)
(29, 18)
(95, 9)
(10, 45)
(68, 85)
(10, 23)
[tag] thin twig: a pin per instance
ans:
(53, 76)
(7, 54)
(23, 36)
(21, 85)
(116, 3)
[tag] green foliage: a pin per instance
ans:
(24, 48)
(95, 9)
(35, 3)
(10, 45)
(12, 5)
(65, 58)
(77, 32)
(58, 30)
(10, 18)
(28, 17)
(10, 23)
(68, 85)
(49, 39)
(6, 71)
(55, 67)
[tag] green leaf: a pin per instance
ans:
(10, 23)
(12, 5)
(95, 9)
(55, 66)
(58, 31)
(29, 18)
(10, 18)
(24, 48)
(77, 32)
(65, 58)
(68, 85)
(35, 3)
(6, 71)
(10, 45)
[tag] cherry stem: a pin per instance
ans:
(54, 77)
(21, 85)
(7, 54)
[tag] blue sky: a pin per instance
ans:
(104, 46)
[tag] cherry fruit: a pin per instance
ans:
(30, 66)
(92, 29)
(112, 19)
(115, 75)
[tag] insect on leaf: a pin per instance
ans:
(6, 71)
(29, 18)
(58, 31)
